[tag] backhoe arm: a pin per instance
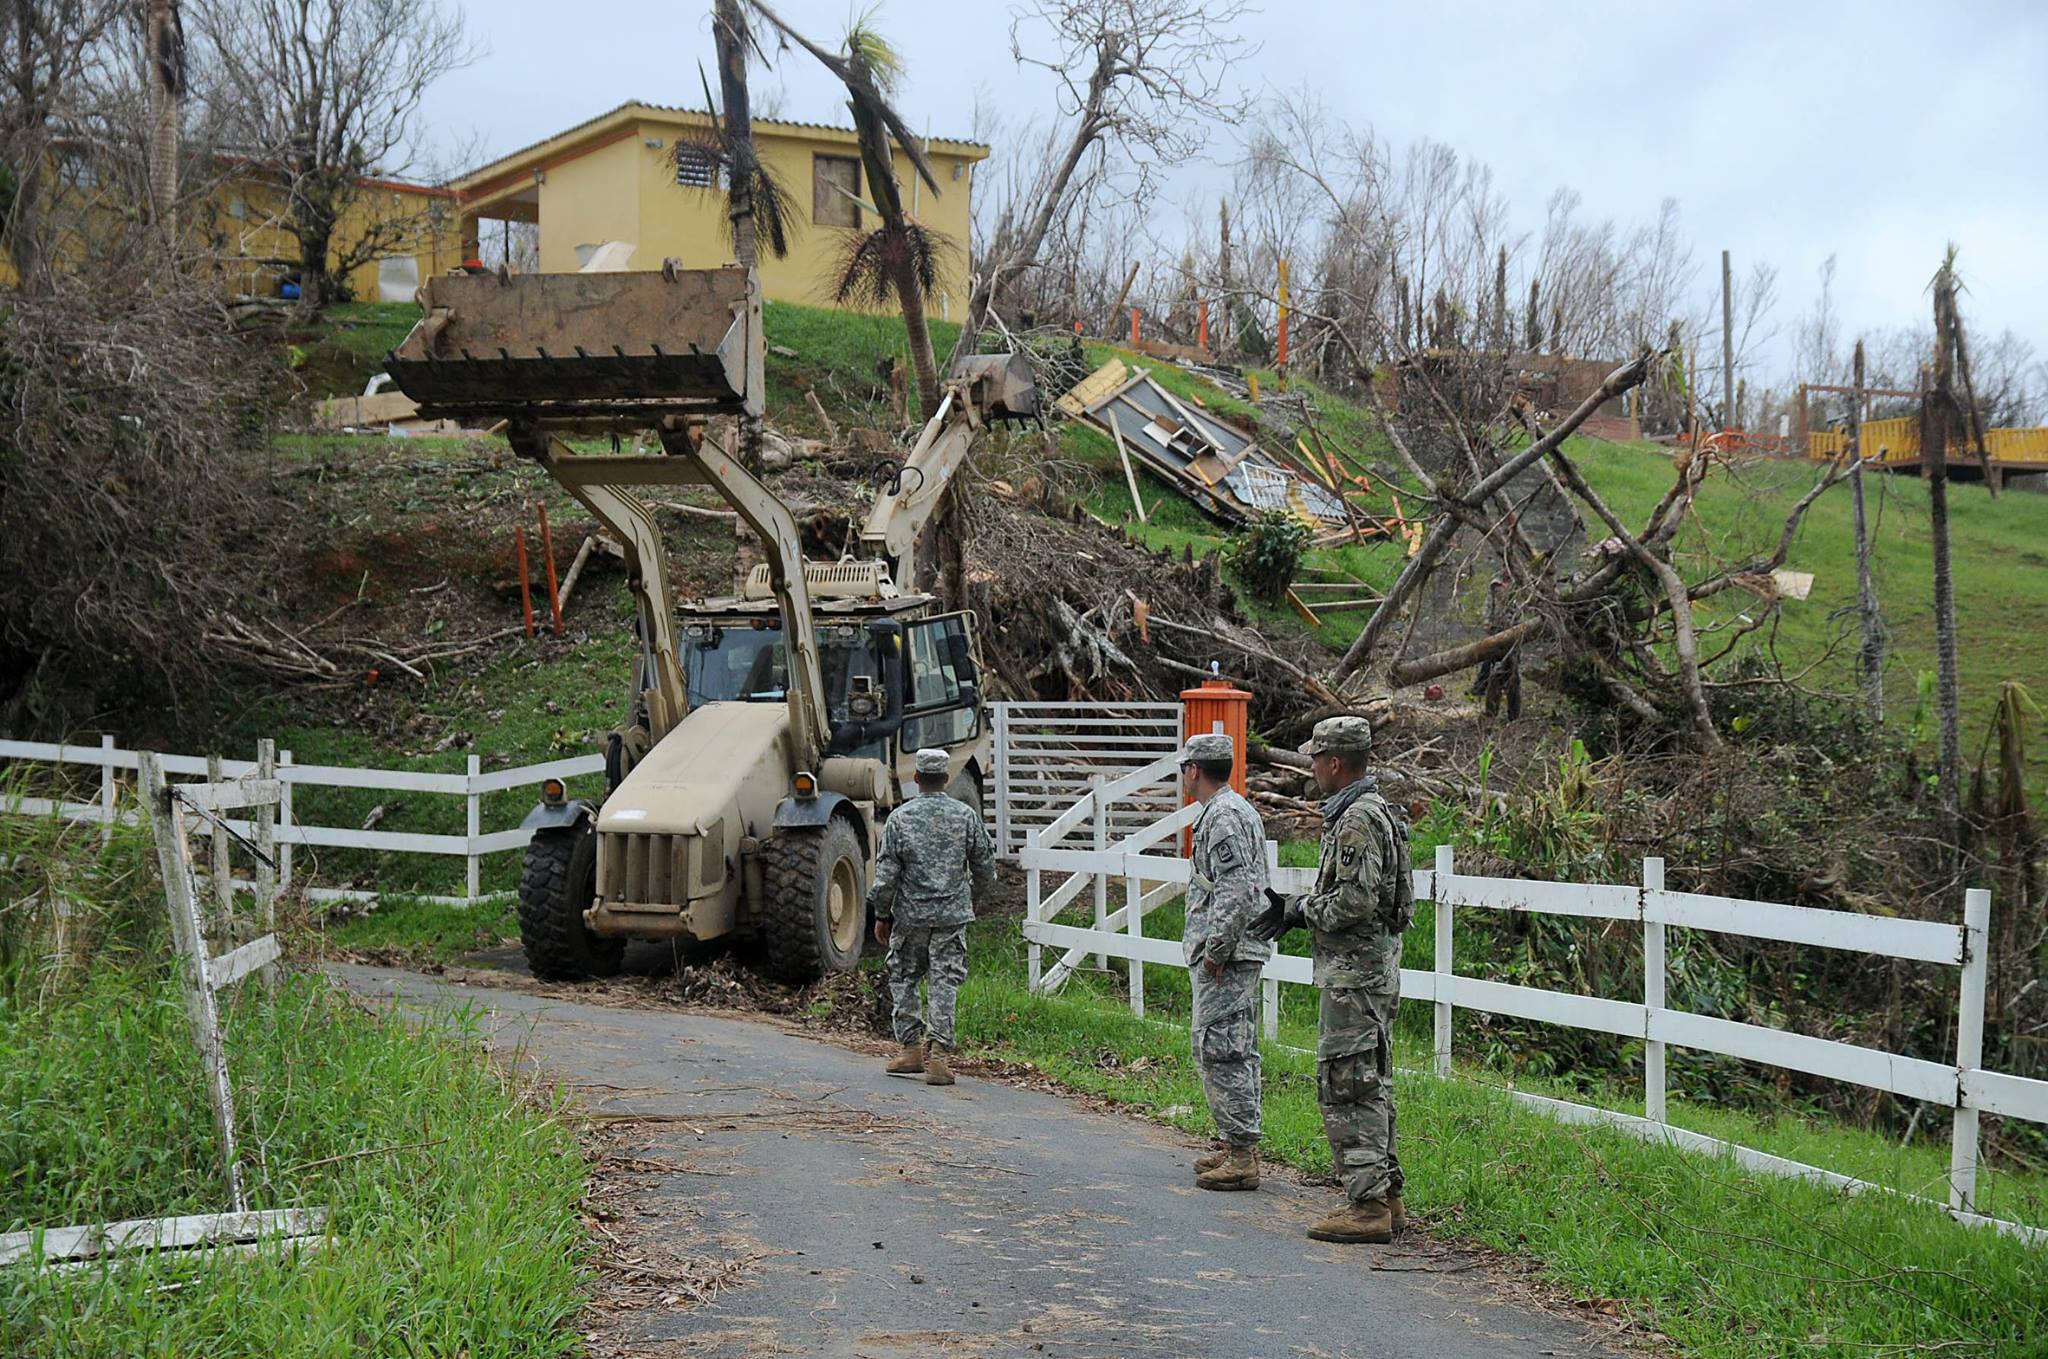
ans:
(981, 387)
(900, 514)
(772, 522)
(632, 525)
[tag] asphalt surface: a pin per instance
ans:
(881, 1217)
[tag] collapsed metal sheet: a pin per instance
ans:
(1217, 461)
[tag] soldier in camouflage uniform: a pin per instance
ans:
(1226, 893)
(935, 854)
(1356, 913)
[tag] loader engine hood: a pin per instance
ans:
(669, 834)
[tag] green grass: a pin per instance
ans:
(428, 931)
(2000, 551)
(369, 330)
(1723, 1262)
(454, 1196)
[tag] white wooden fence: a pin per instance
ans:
(1059, 873)
(475, 842)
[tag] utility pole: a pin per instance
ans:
(1870, 660)
(1728, 420)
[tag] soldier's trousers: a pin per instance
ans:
(1355, 1086)
(1226, 1043)
(936, 955)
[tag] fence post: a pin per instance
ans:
(1033, 886)
(1442, 961)
(1095, 782)
(1653, 994)
(1269, 986)
(284, 823)
(223, 872)
(107, 788)
(1962, 1172)
(1134, 926)
(1003, 846)
(266, 839)
(475, 827)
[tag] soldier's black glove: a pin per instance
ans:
(1275, 920)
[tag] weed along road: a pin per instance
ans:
(877, 1216)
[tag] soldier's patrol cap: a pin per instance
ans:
(1213, 746)
(931, 760)
(1340, 736)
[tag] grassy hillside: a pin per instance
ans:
(2001, 546)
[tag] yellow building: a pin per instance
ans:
(617, 181)
(247, 237)
(240, 229)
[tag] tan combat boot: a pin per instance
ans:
(1399, 1211)
(1368, 1223)
(1211, 1159)
(1239, 1169)
(937, 1071)
(908, 1062)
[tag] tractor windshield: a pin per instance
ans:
(742, 663)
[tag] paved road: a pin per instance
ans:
(894, 1219)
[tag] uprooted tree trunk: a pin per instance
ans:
(1621, 637)
(1436, 542)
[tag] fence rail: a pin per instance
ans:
(472, 786)
(1059, 873)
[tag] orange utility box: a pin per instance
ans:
(1217, 705)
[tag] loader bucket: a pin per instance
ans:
(579, 345)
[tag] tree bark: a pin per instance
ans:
(1870, 657)
(729, 31)
(161, 60)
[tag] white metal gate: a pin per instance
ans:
(1048, 755)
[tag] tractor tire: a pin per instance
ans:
(556, 882)
(813, 907)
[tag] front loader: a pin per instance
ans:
(769, 732)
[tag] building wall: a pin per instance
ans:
(626, 190)
(589, 200)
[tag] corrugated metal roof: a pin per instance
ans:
(631, 104)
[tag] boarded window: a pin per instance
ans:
(696, 168)
(832, 179)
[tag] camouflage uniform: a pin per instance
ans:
(935, 853)
(1227, 890)
(1358, 969)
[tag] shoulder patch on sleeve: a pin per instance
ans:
(1226, 853)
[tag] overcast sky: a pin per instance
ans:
(1788, 131)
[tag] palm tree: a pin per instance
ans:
(900, 256)
(758, 205)
(1943, 417)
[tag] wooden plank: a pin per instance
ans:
(2014, 1096)
(181, 892)
(1306, 613)
(1908, 1076)
(1921, 940)
(235, 964)
(1123, 455)
(160, 1233)
(391, 780)
(1621, 1017)
(1546, 898)
(222, 797)
(529, 775)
